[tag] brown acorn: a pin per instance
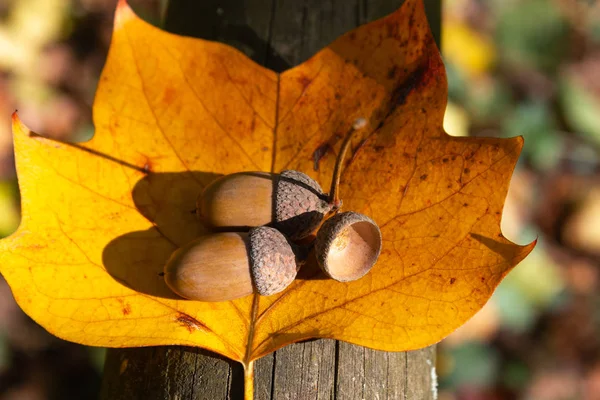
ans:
(347, 246)
(290, 201)
(226, 266)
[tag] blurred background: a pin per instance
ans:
(515, 67)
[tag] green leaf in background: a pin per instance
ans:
(516, 375)
(516, 313)
(581, 108)
(532, 33)
(594, 32)
(535, 121)
(457, 83)
(524, 294)
(474, 365)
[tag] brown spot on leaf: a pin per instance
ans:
(169, 95)
(320, 153)
(304, 81)
(125, 308)
(466, 170)
(414, 80)
(147, 165)
(190, 323)
(34, 246)
(391, 29)
(452, 280)
(423, 177)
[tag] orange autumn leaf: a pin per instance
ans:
(172, 113)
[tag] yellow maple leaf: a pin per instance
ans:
(172, 113)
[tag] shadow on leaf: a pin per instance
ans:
(310, 271)
(168, 201)
(508, 251)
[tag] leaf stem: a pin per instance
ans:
(334, 200)
(249, 381)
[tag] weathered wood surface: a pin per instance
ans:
(278, 34)
(315, 370)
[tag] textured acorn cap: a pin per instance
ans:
(300, 204)
(272, 260)
(347, 246)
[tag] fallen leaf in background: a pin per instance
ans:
(472, 52)
(579, 96)
(172, 113)
(582, 230)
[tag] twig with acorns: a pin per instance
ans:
(277, 211)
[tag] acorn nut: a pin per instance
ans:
(347, 246)
(290, 201)
(226, 266)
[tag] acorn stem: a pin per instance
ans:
(333, 197)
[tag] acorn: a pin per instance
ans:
(347, 246)
(226, 266)
(291, 201)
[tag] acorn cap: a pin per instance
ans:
(347, 246)
(300, 204)
(272, 260)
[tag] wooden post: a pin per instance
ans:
(278, 34)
